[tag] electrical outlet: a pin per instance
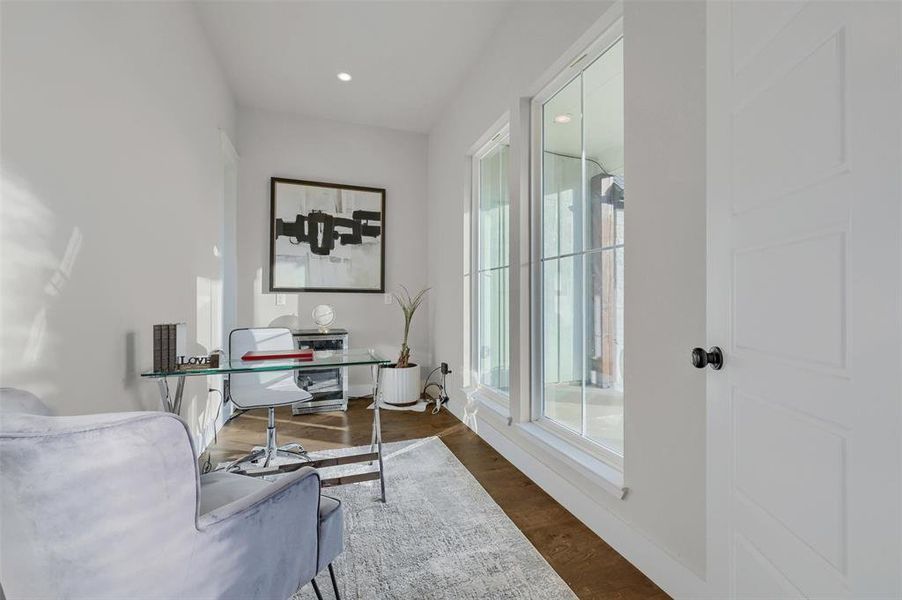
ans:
(388, 299)
(280, 300)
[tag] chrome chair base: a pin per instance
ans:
(263, 456)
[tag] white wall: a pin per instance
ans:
(659, 526)
(281, 145)
(111, 200)
(665, 430)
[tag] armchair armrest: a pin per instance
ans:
(261, 545)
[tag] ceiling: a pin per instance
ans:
(407, 59)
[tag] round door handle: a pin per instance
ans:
(712, 358)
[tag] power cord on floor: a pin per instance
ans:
(442, 398)
(208, 463)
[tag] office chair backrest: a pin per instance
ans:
(245, 388)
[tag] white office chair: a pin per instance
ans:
(265, 390)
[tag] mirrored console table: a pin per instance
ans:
(329, 386)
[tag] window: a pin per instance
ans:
(578, 289)
(490, 352)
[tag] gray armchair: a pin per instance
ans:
(112, 506)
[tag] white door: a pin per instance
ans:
(804, 298)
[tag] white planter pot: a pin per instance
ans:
(400, 386)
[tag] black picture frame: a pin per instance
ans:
(317, 248)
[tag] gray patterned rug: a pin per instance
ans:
(440, 535)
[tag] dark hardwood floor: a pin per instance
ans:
(590, 567)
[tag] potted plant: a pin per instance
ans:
(400, 383)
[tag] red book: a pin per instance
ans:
(278, 355)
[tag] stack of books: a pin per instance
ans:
(170, 341)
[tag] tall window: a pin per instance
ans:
(490, 352)
(580, 267)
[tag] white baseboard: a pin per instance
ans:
(657, 564)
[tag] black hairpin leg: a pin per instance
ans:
(319, 596)
(334, 583)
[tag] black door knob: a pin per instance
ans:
(712, 358)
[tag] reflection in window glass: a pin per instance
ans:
(563, 341)
(582, 252)
(492, 352)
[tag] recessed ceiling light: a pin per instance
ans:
(344, 76)
(565, 118)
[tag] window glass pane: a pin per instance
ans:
(504, 204)
(494, 358)
(563, 341)
(491, 353)
(488, 210)
(603, 114)
(582, 252)
(606, 193)
(493, 208)
(604, 348)
(618, 216)
(562, 183)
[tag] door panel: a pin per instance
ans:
(801, 105)
(804, 296)
(772, 313)
(804, 459)
(756, 577)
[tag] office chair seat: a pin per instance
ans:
(275, 393)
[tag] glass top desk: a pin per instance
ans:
(321, 360)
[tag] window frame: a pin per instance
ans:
(610, 37)
(497, 399)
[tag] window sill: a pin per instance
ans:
(577, 465)
(554, 451)
(570, 439)
(606, 475)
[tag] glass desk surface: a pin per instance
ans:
(321, 360)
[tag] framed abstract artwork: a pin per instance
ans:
(326, 237)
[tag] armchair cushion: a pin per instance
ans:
(220, 488)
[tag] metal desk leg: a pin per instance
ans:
(377, 426)
(173, 405)
(375, 401)
(179, 391)
(164, 393)
(373, 443)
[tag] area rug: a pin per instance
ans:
(440, 535)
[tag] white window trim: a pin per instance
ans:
(495, 399)
(582, 469)
(605, 41)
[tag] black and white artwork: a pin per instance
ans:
(326, 237)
